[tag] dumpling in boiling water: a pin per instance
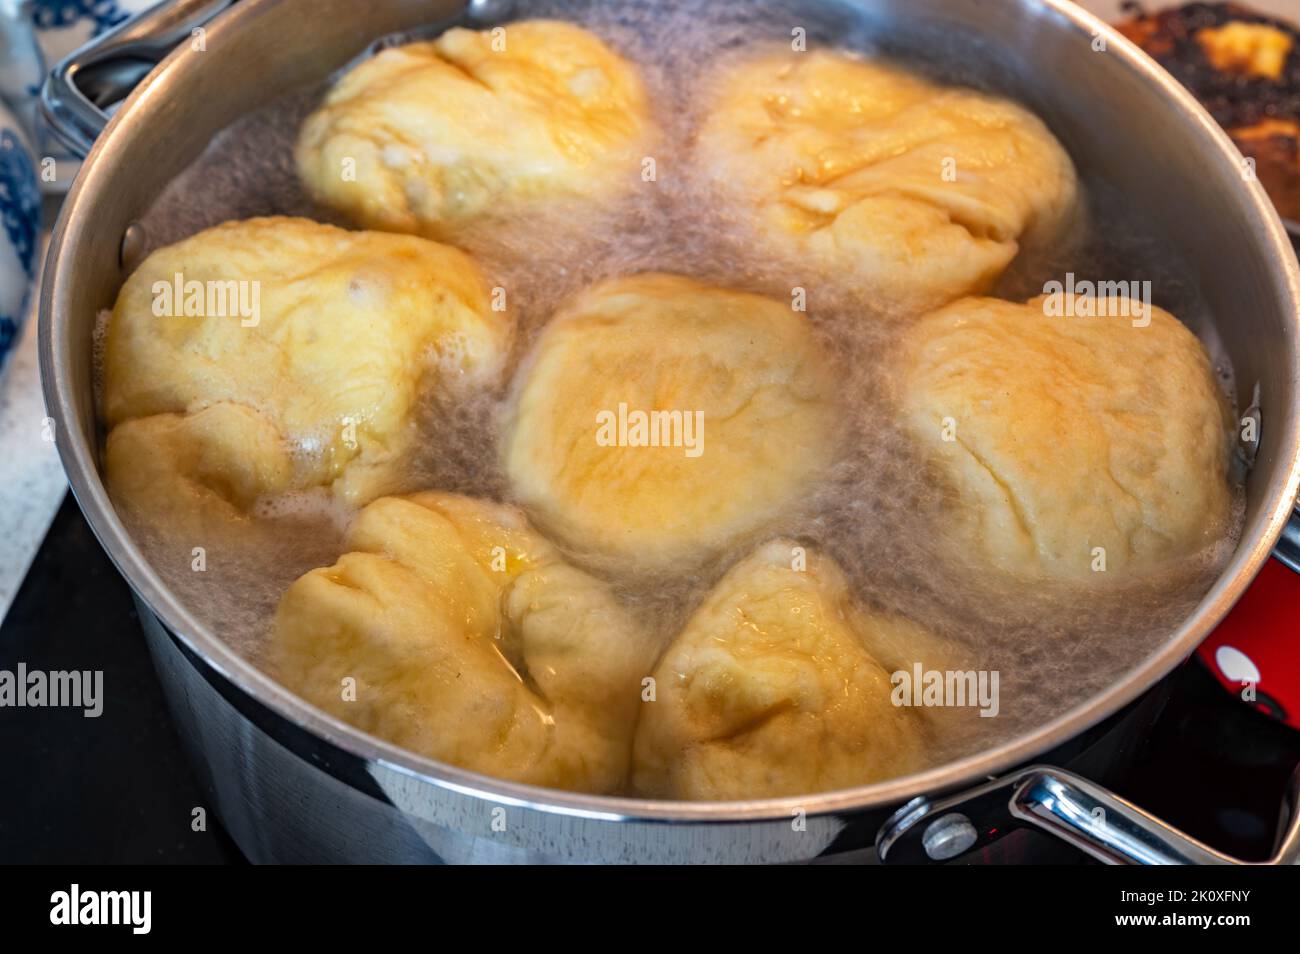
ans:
(469, 641)
(659, 420)
(1085, 448)
(780, 684)
(428, 137)
(186, 471)
(275, 355)
(915, 192)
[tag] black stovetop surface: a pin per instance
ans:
(117, 788)
(112, 789)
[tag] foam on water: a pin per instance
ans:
(877, 512)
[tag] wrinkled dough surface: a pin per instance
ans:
(1071, 433)
(779, 684)
(917, 192)
(434, 135)
(749, 365)
(317, 389)
(191, 471)
(470, 642)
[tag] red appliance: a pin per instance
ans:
(1255, 652)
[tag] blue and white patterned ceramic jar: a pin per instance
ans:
(64, 25)
(20, 198)
(34, 33)
(20, 215)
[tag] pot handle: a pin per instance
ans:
(78, 91)
(1073, 809)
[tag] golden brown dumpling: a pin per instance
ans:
(309, 362)
(914, 192)
(1062, 435)
(428, 137)
(752, 392)
(187, 471)
(780, 685)
(469, 641)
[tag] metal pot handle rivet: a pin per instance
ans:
(1084, 814)
(134, 244)
(490, 11)
(948, 837)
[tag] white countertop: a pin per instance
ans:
(32, 483)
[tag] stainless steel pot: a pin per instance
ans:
(291, 783)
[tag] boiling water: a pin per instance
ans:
(875, 512)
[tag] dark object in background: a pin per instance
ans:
(1244, 67)
(1216, 768)
(82, 790)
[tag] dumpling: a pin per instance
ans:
(275, 355)
(916, 193)
(187, 471)
(658, 421)
(428, 137)
(780, 684)
(1078, 447)
(466, 639)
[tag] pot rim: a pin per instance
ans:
(79, 458)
